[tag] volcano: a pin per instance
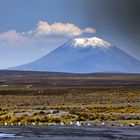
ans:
(85, 55)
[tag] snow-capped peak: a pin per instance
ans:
(90, 42)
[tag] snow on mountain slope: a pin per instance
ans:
(85, 55)
(90, 42)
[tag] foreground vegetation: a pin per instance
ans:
(58, 99)
(64, 109)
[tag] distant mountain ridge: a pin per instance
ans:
(85, 55)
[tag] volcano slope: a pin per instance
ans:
(85, 55)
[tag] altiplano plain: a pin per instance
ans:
(46, 98)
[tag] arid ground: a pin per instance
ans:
(40, 98)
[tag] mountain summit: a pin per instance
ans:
(85, 55)
(90, 42)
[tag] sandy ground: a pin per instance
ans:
(67, 133)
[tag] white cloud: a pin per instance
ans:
(60, 29)
(11, 36)
(44, 32)
(89, 30)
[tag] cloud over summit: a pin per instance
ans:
(60, 29)
(44, 31)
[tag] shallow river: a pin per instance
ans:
(67, 133)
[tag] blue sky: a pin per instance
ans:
(18, 16)
(30, 29)
(23, 15)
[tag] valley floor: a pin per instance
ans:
(111, 100)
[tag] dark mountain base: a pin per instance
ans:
(54, 79)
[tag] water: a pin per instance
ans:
(2, 135)
(67, 133)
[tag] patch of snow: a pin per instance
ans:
(90, 42)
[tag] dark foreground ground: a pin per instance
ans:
(68, 133)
